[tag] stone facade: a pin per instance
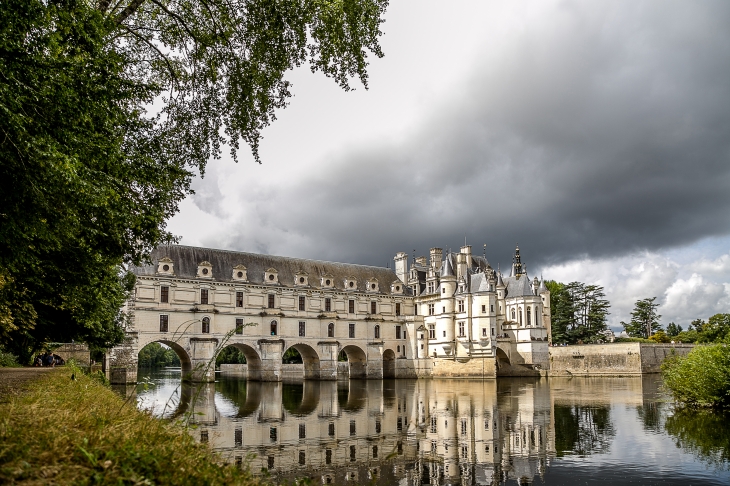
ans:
(452, 317)
(615, 359)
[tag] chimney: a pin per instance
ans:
(401, 266)
(466, 250)
(436, 256)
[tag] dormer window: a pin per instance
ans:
(301, 279)
(350, 283)
(240, 273)
(205, 270)
(165, 266)
(327, 281)
(396, 288)
(271, 276)
(373, 285)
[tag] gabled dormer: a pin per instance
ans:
(372, 285)
(165, 266)
(205, 270)
(396, 287)
(327, 281)
(301, 279)
(240, 273)
(350, 283)
(271, 276)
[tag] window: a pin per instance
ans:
(328, 456)
(352, 330)
(206, 325)
(461, 306)
(351, 306)
(433, 425)
(486, 424)
(272, 434)
(484, 332)
(519, 314)
(164, 294)
(443, 310)
(330, 330)
(238, 437)
(203, 436)
(331, 429)
(434, 446)
(397, 308)
(513, 314)
(463, 427)
(430, 309)
(492, 331)
(270, 462)
(164, 321)
(204, 296)
(397, 332)
(529, 320)
(302, 328)
(398, 348)
(377, 332)
(352, 453)
(327, 304)
(461, 329)
(271, 301)
(432, 331)
(273, 328)
(302, 302)
(239, 299)
(491, 307)
(352, 427)
(377, 426)
(399, 424)
(375, 452)
(444, 333)
(484, 309)
(373, 307)
(302, 431)
(239, 326)
(443, 290)
(302, 458)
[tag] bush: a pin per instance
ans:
(700, 379)
(659, 337)
(8, 360)
(690, 336)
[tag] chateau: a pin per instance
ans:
(452, 315)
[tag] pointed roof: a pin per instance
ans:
(542, 287)
(447, 269)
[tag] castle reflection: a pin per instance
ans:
(435, 432)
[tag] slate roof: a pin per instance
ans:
(186, 259)
(518, 286)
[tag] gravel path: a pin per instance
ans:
(13, 380)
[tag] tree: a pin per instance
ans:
(716, 330)
(644, 319)
(154, 355)
(89, 175)
(673, 329)
(578, 312)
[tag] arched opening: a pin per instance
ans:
(502, 359)
(162, 354)
(331, 330)
(305, 355)
(273, 327)
(357, 361)
(205, 325)
(241, 354)
(376, 331)
(388, 364)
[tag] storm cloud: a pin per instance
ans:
(580, 130)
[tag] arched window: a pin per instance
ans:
(377, 332)
(529, 318)
(330, 330)
(273, 328)
(206, 325)
(519, 314)
(398, 348)
(513, 314)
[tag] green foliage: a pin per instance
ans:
(578, 312)
(673, 329)
(292, 356)
(230, 355)
(700, 379)
(154, 355)
(8, 360)
(582, 430)
(689, 336)
(659, 337)
(81, 432)
(716, 329)
(632, 340)
(703, 433)
(644, 319)
(89, 177)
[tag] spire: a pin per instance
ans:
(500, 282)
(447, 270)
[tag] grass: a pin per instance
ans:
(61, 431)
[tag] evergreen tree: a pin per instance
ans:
(673, 329)
(644, 319)
(578, 312)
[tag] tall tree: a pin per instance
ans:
(89, 175)
(578, 312)
(644, 319)
(673, 329)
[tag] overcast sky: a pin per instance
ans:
(594, 134)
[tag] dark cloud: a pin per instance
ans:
(598, 130)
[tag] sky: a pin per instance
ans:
(596, 135)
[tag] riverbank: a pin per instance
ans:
(57, 431)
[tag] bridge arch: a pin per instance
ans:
(310, 360)
(357, 361)
(502, 358)
(300, 399)
(254, 365)
(186, 365)
(388, 364)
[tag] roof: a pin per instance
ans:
(518, 286)
(186, 259)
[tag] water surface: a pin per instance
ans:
(428, 432)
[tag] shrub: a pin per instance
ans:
(8, 360)
(700, 379)
(690, 336)
(659, 337)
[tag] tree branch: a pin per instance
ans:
(129, 10)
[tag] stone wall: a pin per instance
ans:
(74, 351)
(464, 368)
(612, 359)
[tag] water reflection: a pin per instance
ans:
(442, 432)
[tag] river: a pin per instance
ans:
(508, 431)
